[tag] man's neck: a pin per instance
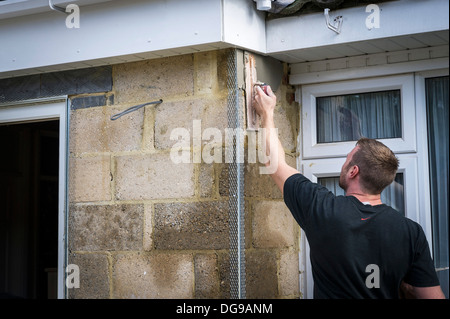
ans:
(366, 198)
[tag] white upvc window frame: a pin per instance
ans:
(42, 110)
(422, 144)
(310, 93)
(422, 148)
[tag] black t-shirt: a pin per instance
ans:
(356, 248)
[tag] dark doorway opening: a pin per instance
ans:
(29, 210)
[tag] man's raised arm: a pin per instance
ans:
(264, 105)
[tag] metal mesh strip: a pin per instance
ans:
(236, 184)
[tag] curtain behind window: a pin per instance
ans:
(349, 117)
(438, 147)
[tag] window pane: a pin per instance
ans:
(393, 195)
(438, 145)
(349, 117)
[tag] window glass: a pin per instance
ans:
(348, 117)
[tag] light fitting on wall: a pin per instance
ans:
(263, 5)
(336, 27)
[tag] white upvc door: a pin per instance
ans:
(42, 110)
(322, 160)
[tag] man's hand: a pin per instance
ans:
(264, 105)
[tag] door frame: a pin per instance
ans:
(55, 108)
(421, 174)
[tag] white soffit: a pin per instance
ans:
(404, 24)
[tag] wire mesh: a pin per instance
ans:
(236, 184)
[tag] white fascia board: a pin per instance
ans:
(397, 18)
(124, 31)
(17, 8)
(118, 28)
(244, 26)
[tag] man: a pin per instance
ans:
(360, 248)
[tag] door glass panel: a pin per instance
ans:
(393, 195)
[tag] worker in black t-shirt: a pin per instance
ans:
(359, 247)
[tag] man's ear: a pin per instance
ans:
(354, 171)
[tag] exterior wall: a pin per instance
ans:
(141, 226)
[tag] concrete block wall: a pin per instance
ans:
(141, 226)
